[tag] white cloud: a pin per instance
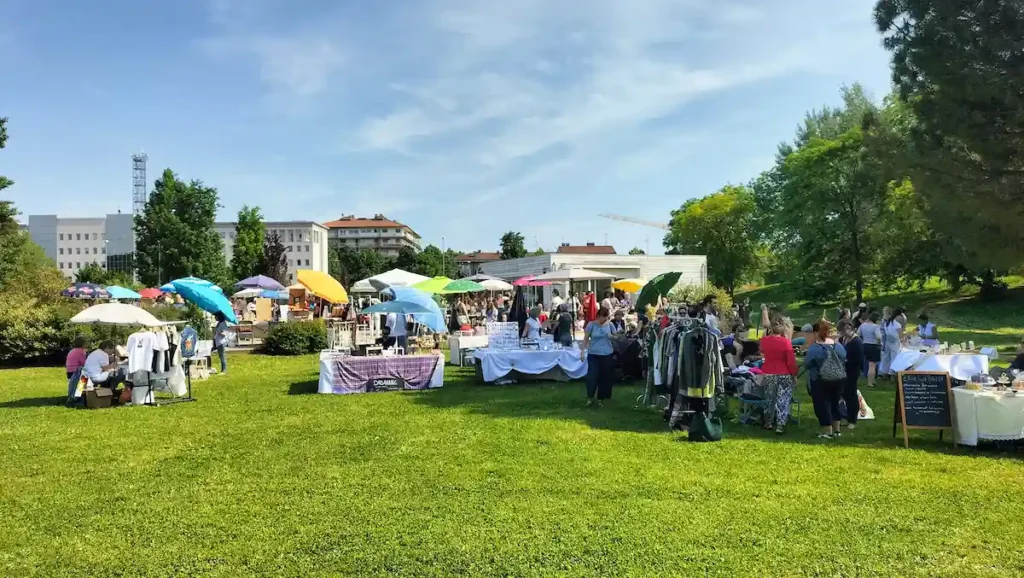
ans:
(484, 102)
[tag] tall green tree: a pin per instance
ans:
(175, 235)
(274, 259)
(250, 237)
(407, 260)
(4, 181)
(718, 226)
(353, 265)
(832, 198)
(958, 65)
(431, 262)
(513, 245)
(636, 251)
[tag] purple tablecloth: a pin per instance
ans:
(343, 374)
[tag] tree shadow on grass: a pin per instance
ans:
(565, 400)
(303, 387)
(34, 402)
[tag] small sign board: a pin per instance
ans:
(924, 400)
(385, 384)
(189, 342)
(503, 335)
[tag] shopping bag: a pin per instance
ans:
(705, 428)
(176, 382)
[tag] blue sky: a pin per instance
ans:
(459, 118)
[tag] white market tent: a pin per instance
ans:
(573, 274)
(392, 278)
(118, 314)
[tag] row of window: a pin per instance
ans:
(297, 248)
(338, 232)
(297, 262)
(291, 235)
(78, 236)
(78, 251)
(78, 265)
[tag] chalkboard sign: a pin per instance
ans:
(923, 401)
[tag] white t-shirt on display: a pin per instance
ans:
(94, 365)
(140, 351)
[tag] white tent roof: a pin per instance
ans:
(247, 293)
(118, 314)
(574, 274)
(392, 278)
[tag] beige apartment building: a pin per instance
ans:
(378, 234)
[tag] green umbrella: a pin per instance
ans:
(655, 288)
(433, 285)
(462, 286)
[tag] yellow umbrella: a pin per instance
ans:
(433, 285)
(630, 285)
(322, 285)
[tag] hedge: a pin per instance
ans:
(296, 338)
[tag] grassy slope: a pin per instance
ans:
(263, 477)
(960, 317)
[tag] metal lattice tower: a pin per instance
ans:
(139, 195)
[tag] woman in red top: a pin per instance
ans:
(780, 372)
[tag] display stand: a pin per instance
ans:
(189, 344)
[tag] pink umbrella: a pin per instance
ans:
(528, 281)
(150, 293)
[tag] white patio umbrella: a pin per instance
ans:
(392, 278)
(495, 285)
(117, 314)
(248, 293)
(574, 274)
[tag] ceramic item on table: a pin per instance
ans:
(970, 345)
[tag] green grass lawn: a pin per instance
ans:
(263, 477)
(961, 317)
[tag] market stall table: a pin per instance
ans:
(341, 373)
(960, 366)
(459, 345)
(987, 415)
(553, 364)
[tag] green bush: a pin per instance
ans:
(694, 294)
(296, 338)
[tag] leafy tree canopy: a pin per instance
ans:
(513, 245)
(250, 237)
(175, 235)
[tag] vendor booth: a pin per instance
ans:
(561, 364)
(343, 374)
(987, 415)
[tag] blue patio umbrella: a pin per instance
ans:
(278, 295)
(260, 282)
(434, 320)
(206, 298)
(118, 292)
(169, 288)
(400, 307)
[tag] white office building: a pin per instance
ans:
(73, 243)
(694, 268)
(305, 244)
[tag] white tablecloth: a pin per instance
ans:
(497, 364)
(458, 343)
(960, 366)
(987, 415)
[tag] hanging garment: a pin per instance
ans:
(589, 307)
(140, 351)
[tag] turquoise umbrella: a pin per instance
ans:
(118, 292)
(206, 298)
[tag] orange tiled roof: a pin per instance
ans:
(352, 222)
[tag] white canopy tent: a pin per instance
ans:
(392, 278)
(118, 314)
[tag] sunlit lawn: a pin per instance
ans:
(262, 477)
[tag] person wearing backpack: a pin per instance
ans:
(825, 364)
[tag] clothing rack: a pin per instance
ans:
(648, 398)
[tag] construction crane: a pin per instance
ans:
(663, 226)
